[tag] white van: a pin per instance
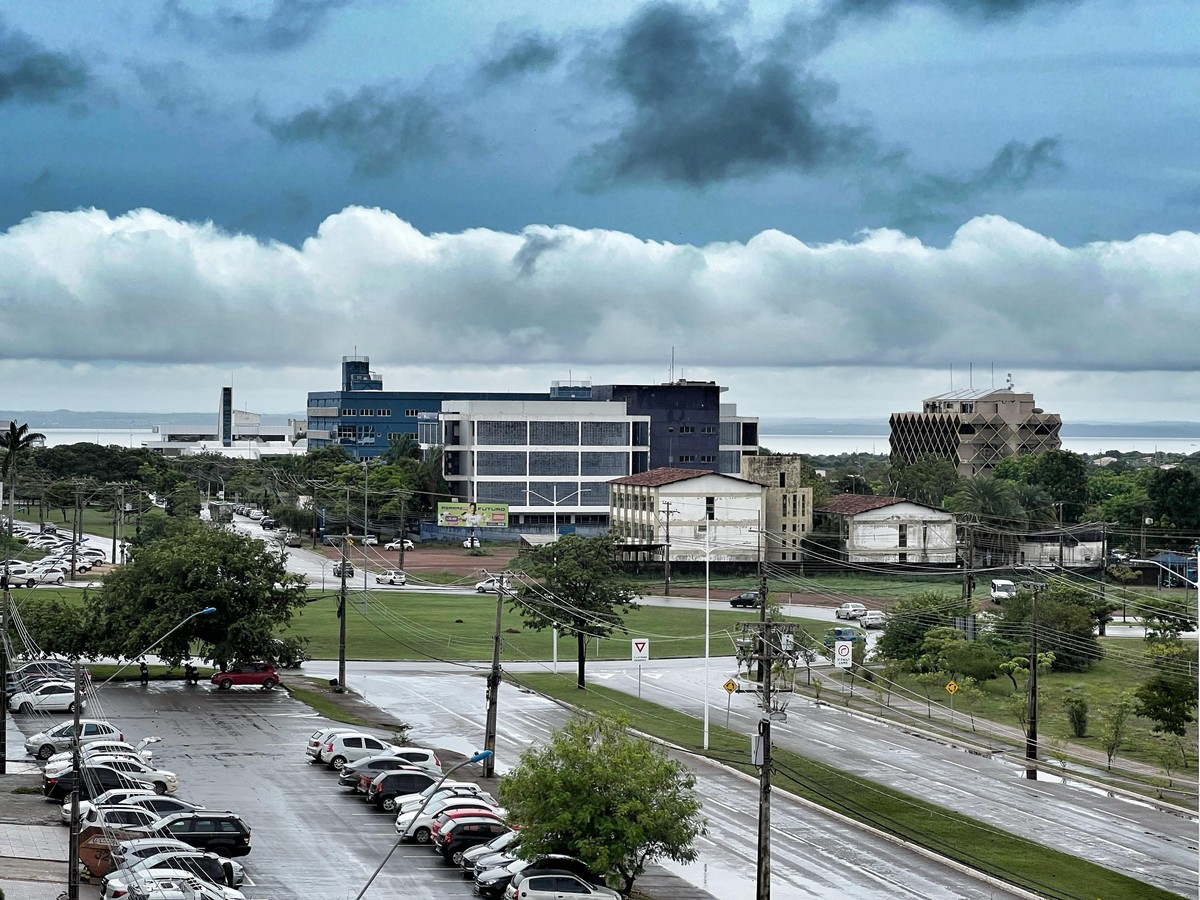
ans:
(1003, 589)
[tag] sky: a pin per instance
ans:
(834, 208)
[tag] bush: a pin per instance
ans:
(1077, 712)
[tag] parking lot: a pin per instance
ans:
(243, 750)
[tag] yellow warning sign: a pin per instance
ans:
(730, 686)
(952, 687)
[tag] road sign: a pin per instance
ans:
(641, 650)
(843, 654)
(730, 686)
(952, 687)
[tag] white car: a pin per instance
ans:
(872, 618)
(54, 696)
(116, 795)
(46, 743)
(149, 881)
(318, 739)
(412, 802)
(491, 585)
(115, 748)
(398, 543)
(850, 611)
(545, 885)
(391, 576)
(116, 815)
(471, 543)
(353, 745)
(162, 781)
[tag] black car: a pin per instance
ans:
(387, 787)
(223, 833)
(343, 569)
(746, 598)
(94, 782)
(465, 835)
(377, 764)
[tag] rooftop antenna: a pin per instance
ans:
(1010, 381)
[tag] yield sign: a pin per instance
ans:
(641, 650)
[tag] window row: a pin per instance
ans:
(385, 413)
(549, 462)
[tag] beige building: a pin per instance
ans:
(787, 504)
(974, 429)
(698, 514)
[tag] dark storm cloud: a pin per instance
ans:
(984, 10)
(536, 244)
(514, 56)
(172, 88)
(381, 128)
(29, 73)
(704, 111)
(288, 24)
(923, 198)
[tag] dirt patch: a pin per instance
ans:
(22, 803)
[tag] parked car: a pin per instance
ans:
(419, 828)
(208, 867)
(117, 795)
(217, 832)
(46, 743)
(1002, 589)
(317, 740)
(493, 584)
(104, 748)
(391, 576)
(746, 598)
(259, 674)
(369, 540)
(114, 815)
(161, 780)
(175, 884)
(409, 802)
(96, 780)
(349, 746)
(873, 618)
(293, 539)
(467, 833)
(343, 570)
(367, 778)
(452, 818)
(53, 696)
(550, 884)
(503, 845)
(849, 611)
(404, 757)
(161, 805)
(398, 543)
(128, 853)
(385, 788)
(471, 543)
(493, 882)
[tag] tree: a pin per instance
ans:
(184, 502)
(189, 567)
(1175, 495)
(928, 480)
(1169, 701)
(613, 800)
(911, 618)
(14, 442)
(1067, 619)
(1077, 710)
(583, 590)
(1113, 721)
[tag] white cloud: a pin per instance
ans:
(145, 290)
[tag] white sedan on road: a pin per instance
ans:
(397, 544)
(391, 576)
(850, 611)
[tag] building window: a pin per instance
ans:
(383, 412)
(710, 508)
(553, 463)
(488, 432)
(708, 459)
(412, 413)
(687, 458)
(708, 429)
(611, 463)
(554, 433)
(502, 462)
(367, 412)
(687, 429)
(605, 434)
(903, 539)
(349, 412)
(783, 511)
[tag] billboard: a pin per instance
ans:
(472, 515)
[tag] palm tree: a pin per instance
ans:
(16, 440)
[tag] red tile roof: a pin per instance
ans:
(853, 504)
(664, 475)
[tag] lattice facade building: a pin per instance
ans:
(974, 429)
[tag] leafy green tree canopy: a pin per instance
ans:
(1175, 494)
(1067, 619)
(613, 800)
(1169, 701)
(189, 567)
(912, 618)
(929, 480)
(582, 591)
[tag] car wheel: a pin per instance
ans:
(160, 787)
(26, 708)
(45, 751)
(226, 684)
(337, 762)
(421, 835)
(389, 804)
(455, 858)
(71, 707)
(268, 683)
(30, 583)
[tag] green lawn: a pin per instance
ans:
(1032, 866)
(399, 625)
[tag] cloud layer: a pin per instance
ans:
(146, 288)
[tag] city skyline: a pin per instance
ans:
(827, 206)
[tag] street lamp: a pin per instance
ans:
(557, 501)
(481, 755)
(708, 549)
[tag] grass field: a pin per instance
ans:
(984, 847)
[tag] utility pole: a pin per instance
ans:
(4, 641)
(1031, 735)
(767, 637)
(341, 685)
(73, 842)
(667, 513)
(493, 684)
(403, 530)
(969, 563)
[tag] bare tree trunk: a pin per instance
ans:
(581, 643)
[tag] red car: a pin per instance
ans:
(258, 674)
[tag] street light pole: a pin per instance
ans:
(481, 755)
(554, 503)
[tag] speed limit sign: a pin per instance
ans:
(843, 654)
